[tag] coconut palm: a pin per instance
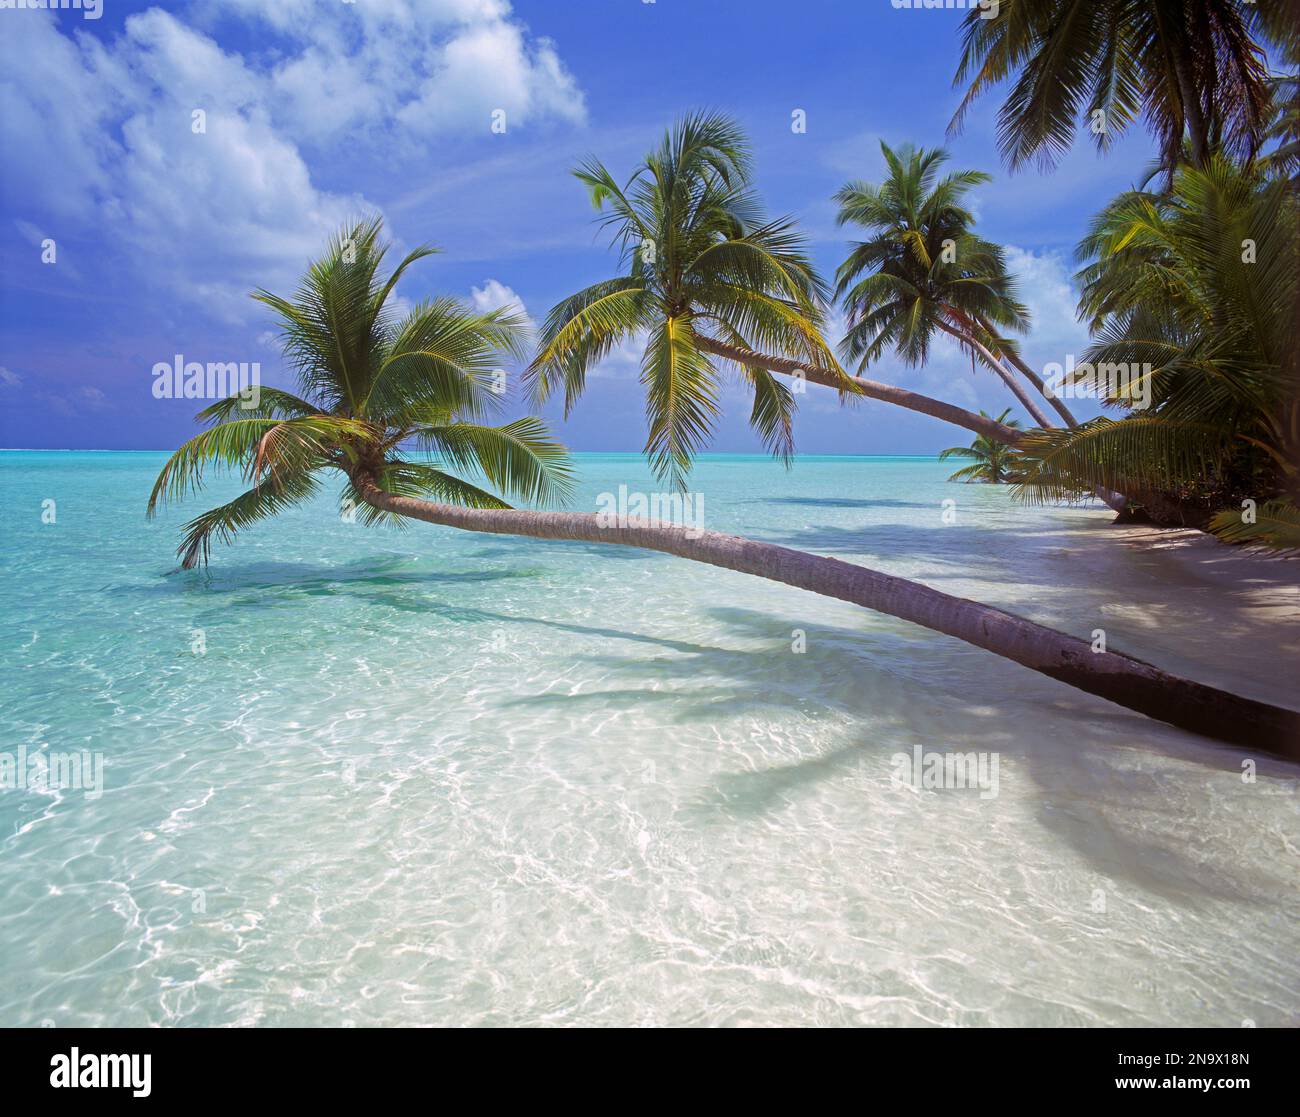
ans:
(922, 271)
(372, 382)
(375, 386)
(1191, 69)
(992, 461)
(706, 276)
(1194, 289)
(701, 261)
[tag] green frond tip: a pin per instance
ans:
(1274, 524)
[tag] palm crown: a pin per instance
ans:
(373, 382)
(922, 270)
(1189, 68)
(991, 462)
(702, 262)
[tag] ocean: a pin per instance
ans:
(364, 776)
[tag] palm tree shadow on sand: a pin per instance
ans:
(1096, 794)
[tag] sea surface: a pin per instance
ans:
(361, 776)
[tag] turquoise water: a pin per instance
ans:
(362, 776)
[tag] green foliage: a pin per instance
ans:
(371, 382)
(1275, 524)
(701, 261)
(992, 462)
(1198, 283)
(1188, 68)
(923, 270)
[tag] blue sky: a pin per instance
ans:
(317, 110)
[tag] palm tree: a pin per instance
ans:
(1195, 289)
(1189, 68)
(923, 271)
(371, 383)
(993, 461)
(706, 275)
(701, 260)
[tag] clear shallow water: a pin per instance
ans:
(432, 777)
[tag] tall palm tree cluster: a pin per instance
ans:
(1196, 279)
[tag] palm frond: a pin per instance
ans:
(520, 458)
(258, 503)
(1274, 524)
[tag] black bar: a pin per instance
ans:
(332, 1066)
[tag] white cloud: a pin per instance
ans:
(9, 379)
(210, 214)
(495, 295)
(1047, 289)
(108, 139)
(428, 66)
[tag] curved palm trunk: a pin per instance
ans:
(1115, 501)
(1027, 401)
(1119, 678)
(873, 389)
(1037, 381)
(1051, 397)
(913, 401)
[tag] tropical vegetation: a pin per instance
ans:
(374, 384)
(391, 401)
(992, 462)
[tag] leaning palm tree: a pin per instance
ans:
(372, 383)
(1192, 69)
(992, 462)
(390, 399)
(923, 271)
(702, 262)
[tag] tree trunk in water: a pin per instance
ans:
(1111, 675)
(1017, 389)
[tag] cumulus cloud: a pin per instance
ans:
(495, 295)
(212, 206)
(420, 67)
(210, 210)
(1047, 289)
